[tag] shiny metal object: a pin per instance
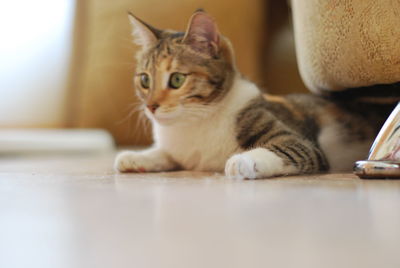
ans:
(384, 157)
(370, 169)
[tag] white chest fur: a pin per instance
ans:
(207, 144)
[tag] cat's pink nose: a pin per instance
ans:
(152, 107)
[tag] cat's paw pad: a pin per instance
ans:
(241, 166)
(131, 162)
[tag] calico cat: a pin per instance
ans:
(207, 117)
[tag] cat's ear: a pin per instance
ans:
(202, 34)
(143, 34)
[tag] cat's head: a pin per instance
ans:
(182, 77)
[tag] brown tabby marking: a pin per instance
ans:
(283, 101)
(279, 126)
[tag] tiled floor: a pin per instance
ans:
(76, 212)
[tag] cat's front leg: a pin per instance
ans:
(151, 160)
(289, 157)
(257, 163)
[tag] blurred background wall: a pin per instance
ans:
(35, 56)
(81, 74)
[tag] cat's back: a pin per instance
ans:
(300, 113)
(324, 111)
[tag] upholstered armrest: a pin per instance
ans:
(348, 43)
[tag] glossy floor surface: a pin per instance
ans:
(76, 212)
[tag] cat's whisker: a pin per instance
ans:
(133, 109)
(127, 117)
(140, 128)
(144, 122)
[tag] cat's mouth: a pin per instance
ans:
(163, 118)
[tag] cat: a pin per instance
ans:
(206, 116)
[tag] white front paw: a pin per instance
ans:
(256, 164)
(241, 166)
(132, 162)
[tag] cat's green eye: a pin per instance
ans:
(144, 80)
(176, 80)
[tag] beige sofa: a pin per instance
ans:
(348, 43)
